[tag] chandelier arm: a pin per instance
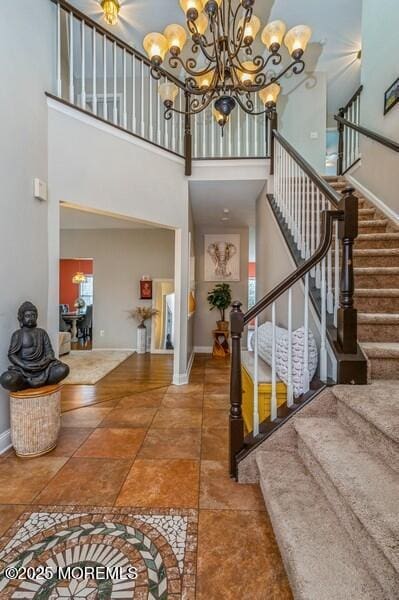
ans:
(238, 43)
(188, 66)
(204, 44)
(297, 67)
(275, 58)
(257, 59)
(254, 114)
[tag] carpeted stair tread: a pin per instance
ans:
(376, 270)
(374, 223)
(381, 350)
(378, 318)
(378, 236)
(377, 403)
(376, 252)
(367, 486)
(377, 292)
(321, 561)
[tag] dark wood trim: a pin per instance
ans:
(236, 421)
(328, 219)
(87, 112)
(319, 182)
(358, 160)
(231, 158)
(188, 138)
(372, 135)
(103, 31)
(352, 100)
(272, 124)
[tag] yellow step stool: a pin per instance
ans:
(264, 389)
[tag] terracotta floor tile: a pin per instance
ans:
(175, 443)
(192, 400)
(216, 376)
(216, 418)
(84, 417)
(129, 417)
(9, 513)
(216, 388)
(219, 491)
(177, 418)
(161, 483)
(86, 481)
(218, 401)
(147, 400)
(69, 440)
(21, 479)
(185, 389)
(215, 444)
(112, 443)
(238, 558)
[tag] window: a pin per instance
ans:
(86, 290)
(251, 292)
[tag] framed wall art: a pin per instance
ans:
(391, 96)
(222, 257)
(145, 289)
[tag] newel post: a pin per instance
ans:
(236, 420)
(273, 124)
(347, 314)
(341, 129)
(188, 141)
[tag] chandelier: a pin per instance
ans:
(223, 68)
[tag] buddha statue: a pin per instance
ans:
(33, 363)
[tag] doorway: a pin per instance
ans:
(76, 302)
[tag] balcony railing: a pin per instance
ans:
(100, 74)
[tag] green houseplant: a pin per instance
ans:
(220, 298)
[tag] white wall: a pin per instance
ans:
(302, 110)
(120, 258)
(380, 31)
(205, 320)
(97, 167)
(27, 49)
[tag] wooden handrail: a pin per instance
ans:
(98, 27)
(319, 182)
(352, 100)
(388, 143)
(328, 218)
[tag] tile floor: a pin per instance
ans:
(163, 448)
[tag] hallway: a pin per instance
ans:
(154, 447)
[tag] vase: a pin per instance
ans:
(141, 339)
(223, 325)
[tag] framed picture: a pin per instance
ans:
(391, 96)
(222, 257)
(145, 289)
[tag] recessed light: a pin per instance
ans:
(225, 219)
(226, 211)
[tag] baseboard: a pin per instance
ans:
(184, 378)
(5, 441)
(386, 210)
(203, 349)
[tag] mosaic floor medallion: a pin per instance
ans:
(100, 554)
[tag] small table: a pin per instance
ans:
(73, 318)
(221, 347)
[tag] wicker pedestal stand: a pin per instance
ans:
(35, 420)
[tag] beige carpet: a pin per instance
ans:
(86, 368)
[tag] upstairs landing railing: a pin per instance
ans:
(324, 225)
(100, 74)
(350, 130)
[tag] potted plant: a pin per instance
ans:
(142, 314)
(220, 298)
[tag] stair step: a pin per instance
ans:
(372, 412)
(377, 300)
(378, 327)
(376, 257)
(373, 226)
(377, 240)
(384, 359)
(362, 490)
(321, 561)
(377, 277)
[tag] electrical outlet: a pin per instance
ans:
(102, 332)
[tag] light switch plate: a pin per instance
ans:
(314, 135)
(40, 189)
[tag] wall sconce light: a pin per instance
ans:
(359, 55)
(111, 9)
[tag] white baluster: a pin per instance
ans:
(105, 104)
(256, 382)
(318, 217)
(124, 90)
(159, 121)
(94, 52)
(204, 148)
(323, 325)
(196, 136)
(239, 153)
(273, 399)
(336, 275)
(134, 120)
(59, 78)
(213, 127)
(312, 224)
(150, 108)
(290, 389)
(308, 218)
(71, 65)
(247, 134)
(229, 133)
(166, 128)
(142, 128)
(303, 215)
(306, 377)
(295, 217)
(115, 115)
(330, 294)
(83, 43)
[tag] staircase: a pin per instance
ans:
(331, 486)
(376, 261)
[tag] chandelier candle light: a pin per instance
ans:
(222, 68)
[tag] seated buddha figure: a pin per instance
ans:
(33, 363)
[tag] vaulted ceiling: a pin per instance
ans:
(336, 29)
